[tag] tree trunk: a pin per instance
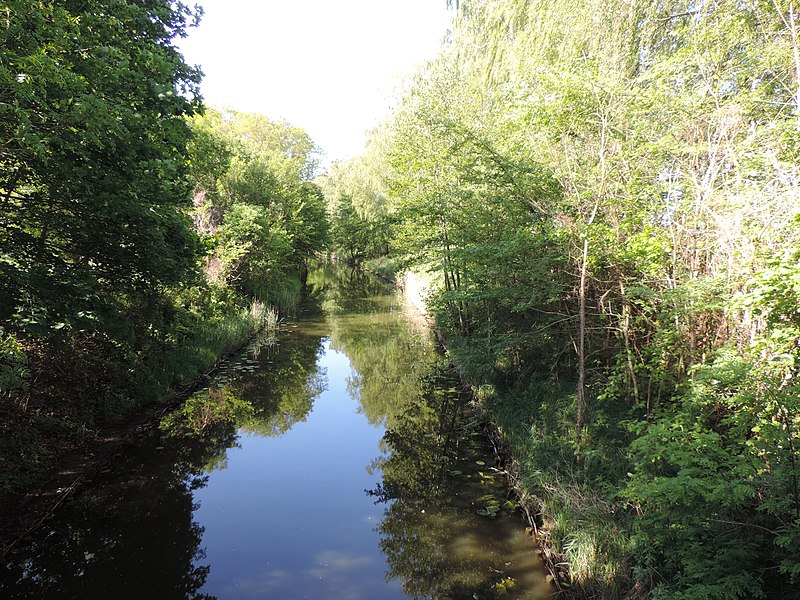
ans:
(626, 327)
(580, 402)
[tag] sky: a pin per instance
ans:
(330, 67)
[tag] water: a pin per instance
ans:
(340, 462)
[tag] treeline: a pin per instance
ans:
(141, 235)
(606, 196)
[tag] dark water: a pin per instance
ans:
(338, 461)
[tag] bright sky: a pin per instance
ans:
(330, 67)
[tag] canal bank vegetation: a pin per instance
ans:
(142, 235)
(607, 195)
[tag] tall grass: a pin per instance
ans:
(585, 525)
(173, 367)
(264, 317)
(588, 531)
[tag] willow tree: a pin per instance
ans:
(470, 207)
(357, 199)
(671, 131)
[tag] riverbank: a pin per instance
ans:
(350, 384)
(579, 537)
(68, 462)
(540, 522)
(415, 289)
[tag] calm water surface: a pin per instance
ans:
(338, 461)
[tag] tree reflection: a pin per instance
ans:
(129, 537)
(435, 481)
(388, 355)
(283, 387)
(341, 290)
(432, 536)
(134, 536)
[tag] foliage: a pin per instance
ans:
(356, 238)
(607, 193)
(362, 178)
(261, 217)
(13, 365)
(357, 200)
(206, 409)
(93, 137)
(385, 266)
(103, 139)
(254, 250)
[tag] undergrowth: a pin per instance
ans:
(582, 518)
(86, 382)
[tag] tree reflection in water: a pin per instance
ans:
(132, 534)
(433, 539)
(131, 537)
(444, 530)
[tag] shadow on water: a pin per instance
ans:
(100, 543)
(216, 502)
(131, 533)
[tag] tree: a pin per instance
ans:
(260, 215)
(350, 232)
(669, 131)
(93, 186)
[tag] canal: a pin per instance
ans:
(337, 459)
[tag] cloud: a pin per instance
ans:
(333, 574)
(332, 563)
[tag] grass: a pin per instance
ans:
(176, 366)
(588, 533)
(583, 522)
(90, 382)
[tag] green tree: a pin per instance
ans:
(596, 185)
(262, 218)
(350, 232)
(255, 250)
(93, 185)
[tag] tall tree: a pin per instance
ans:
(255, 205)
(93, 186)
(664, 257)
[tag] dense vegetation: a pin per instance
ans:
(605, 195)
(141, 236)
